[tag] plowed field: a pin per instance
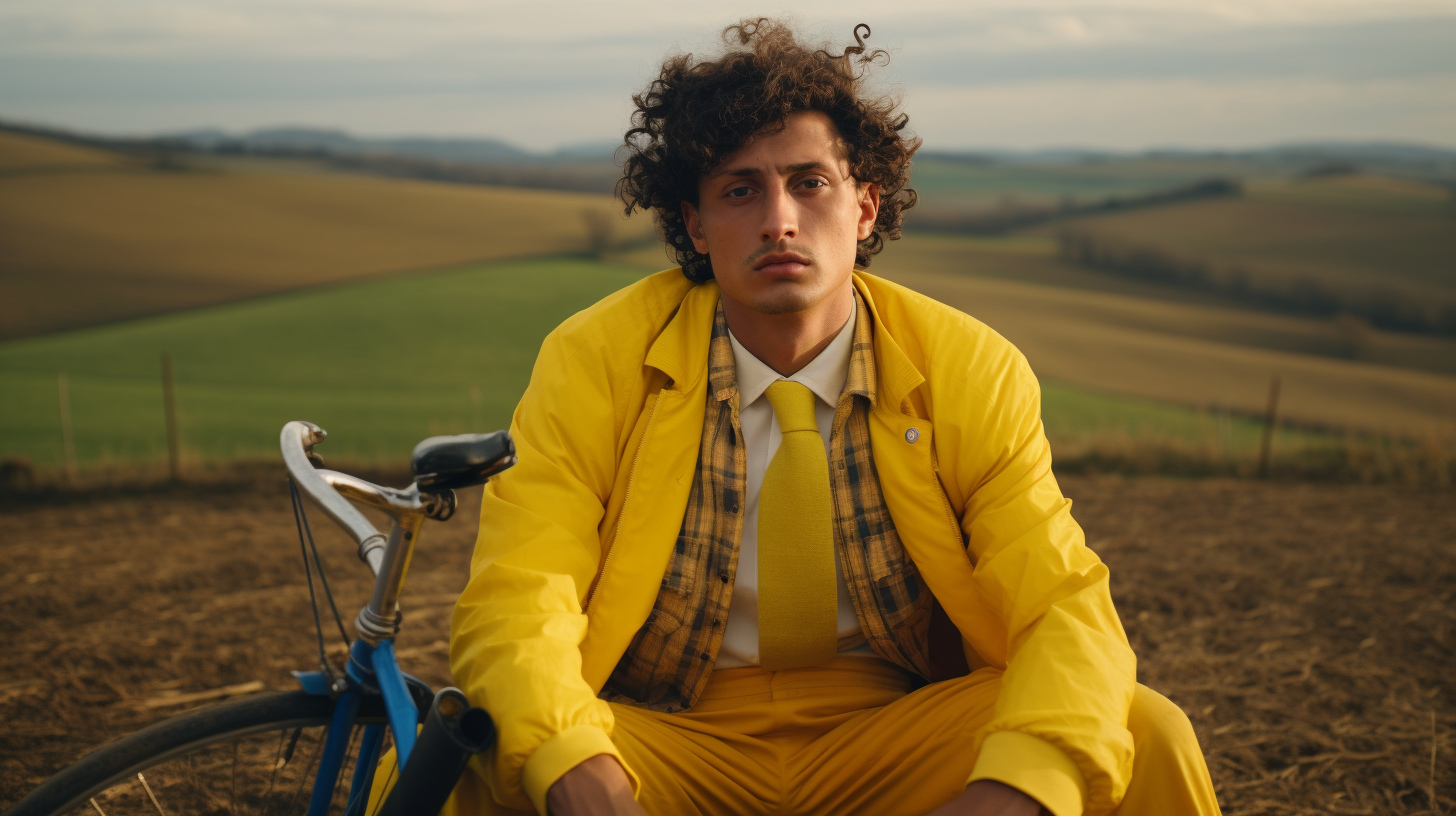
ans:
(1306, 629)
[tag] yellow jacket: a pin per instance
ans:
(574, 539)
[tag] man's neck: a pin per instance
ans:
(788, 342)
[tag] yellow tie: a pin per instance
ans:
(797, 602)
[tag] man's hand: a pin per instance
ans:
(987, 798)
(596, 787)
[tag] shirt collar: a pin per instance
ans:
(862, 377)
(825, 375)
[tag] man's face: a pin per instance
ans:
(781, 217)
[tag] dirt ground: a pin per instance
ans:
(1306, 629)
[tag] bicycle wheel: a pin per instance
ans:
(253, 756)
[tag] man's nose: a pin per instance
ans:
(780, 216)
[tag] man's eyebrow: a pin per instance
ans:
(745, 172)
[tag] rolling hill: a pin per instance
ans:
(1192, 354)
(90, 237)
(1379, 248)
(277, 288)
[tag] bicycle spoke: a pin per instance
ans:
(233, 783)
(388, 779)
(277, 764)
(194, 780)
(307, 771)
(345, 770)
(153, 796)
(361, 793)
(227, 779)
(255, 770)
(292, 745)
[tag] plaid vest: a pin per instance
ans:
(668, 663)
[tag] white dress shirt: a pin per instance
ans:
(825, 375)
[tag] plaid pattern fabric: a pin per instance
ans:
(668, 662)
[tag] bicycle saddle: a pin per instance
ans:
(443, 463)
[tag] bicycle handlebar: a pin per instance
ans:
(297, 441)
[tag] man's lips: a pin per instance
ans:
(781, 263)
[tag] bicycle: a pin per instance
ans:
(257, 755)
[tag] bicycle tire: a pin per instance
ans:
(183, 736)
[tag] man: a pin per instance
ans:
(784, 537)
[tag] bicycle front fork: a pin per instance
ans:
(372, 669)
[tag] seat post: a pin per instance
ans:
(379, 620)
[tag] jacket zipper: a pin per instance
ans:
(626, 500)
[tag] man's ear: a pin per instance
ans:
(869, 210)
(694, 226)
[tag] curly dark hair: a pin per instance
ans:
(698, 112)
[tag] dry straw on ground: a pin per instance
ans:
(1306, 629)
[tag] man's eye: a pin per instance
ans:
(814, 183)
(740, 192)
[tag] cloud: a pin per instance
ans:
(533, 71)
(388, 29)
(1138, 114)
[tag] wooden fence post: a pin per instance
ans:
(68, 439)
(169, 399)
(1271, 418)
(477, 402)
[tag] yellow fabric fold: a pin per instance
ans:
(1036, 768)
(575, 539)
(563, 752)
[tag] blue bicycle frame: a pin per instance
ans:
(371, 670)
(450, 730)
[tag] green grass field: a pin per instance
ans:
(382, 357)
(380, 364)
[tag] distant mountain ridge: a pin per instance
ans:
(1387, 150)
(592, 166)
(1435, 161)
(499, 151)
(310, 140)
(339, 142)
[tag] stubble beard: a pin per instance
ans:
(788, 302)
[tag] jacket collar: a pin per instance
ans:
(897, 375)
(681, 350)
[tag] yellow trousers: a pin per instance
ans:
(851, 737)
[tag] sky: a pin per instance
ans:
(973, 74)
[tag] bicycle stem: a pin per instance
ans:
(388, 557)
(379, 620)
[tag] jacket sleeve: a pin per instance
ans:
(517, 628)
(1059, 728)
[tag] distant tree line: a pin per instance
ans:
(172, 154)
(536, 176)
(1013, 216)
(1382, 305)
